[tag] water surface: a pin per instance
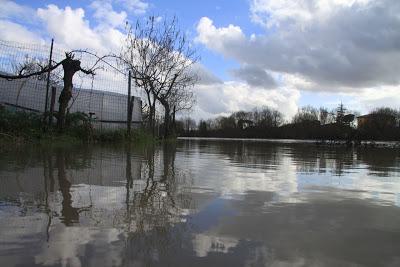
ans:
(200, 203)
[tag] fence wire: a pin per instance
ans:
(102, 96)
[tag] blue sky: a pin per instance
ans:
(279, 53)
(223, 12)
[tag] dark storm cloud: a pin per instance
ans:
(351, 46)
(254, 76)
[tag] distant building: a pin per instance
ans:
(373, 119)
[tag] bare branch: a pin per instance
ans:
(36, 73)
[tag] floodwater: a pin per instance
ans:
(200, 203)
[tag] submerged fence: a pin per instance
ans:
(103, 96)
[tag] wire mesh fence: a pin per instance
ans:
(104, 96)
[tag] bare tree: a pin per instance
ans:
(306, 114)
(160, 58)
(340, 113)
(267, 117)
(189, 124)
(141, 55)
(323, 115)
(70, 66)
(29, 65)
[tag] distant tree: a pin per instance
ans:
(267, 117)
(340, 113)
(306, 114)
(385, 117)
(277, 118)
(189, 124)
(380, 124)
(348, 119)
(212, 124)
(386, 111)
(241, 116)
(323, 115)
(203, 128)
(179, 127)
(226, 122)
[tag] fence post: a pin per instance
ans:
(101, 112)
(52, 102)
(173, 120)
(48, 77)
(129, 110)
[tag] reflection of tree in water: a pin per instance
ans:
(310, 158)
(306, 157)
(380, 161)
(62, 159)
(156, 193)
(260, 154)
(69, 213)
(156, 212)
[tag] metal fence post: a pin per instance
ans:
(132, 103)
(48, 76)
(129, 110)
(101, 112)
(52, 102)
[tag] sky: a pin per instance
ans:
(278, 53)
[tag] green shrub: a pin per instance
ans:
(20, 123)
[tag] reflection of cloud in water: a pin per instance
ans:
(67, 246)
(211, 171)
(330, 228)
(236, 204)
(234, 168)
(381, 188)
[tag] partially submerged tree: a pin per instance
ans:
(70, 66)
(160, 59)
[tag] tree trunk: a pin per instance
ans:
(70, 66)
(166, 120)
(173, 121)
(150, 118)
(153, 117)
(65, 96)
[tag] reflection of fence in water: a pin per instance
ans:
(101, 188)
(104, 95)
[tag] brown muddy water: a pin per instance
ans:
(200, 203)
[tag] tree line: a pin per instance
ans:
(307, 123)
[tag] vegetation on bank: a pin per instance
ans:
(309, 123)
(23, 127)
